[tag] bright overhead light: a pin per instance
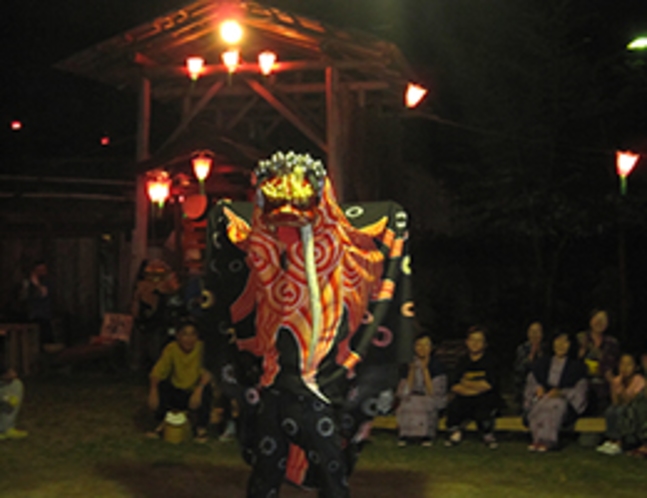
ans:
(639, 43)
(231, 32)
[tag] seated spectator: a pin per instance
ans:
(474, 391)
(555, 394)
(179, 382)
(600, 351)
(621, 416)
(527, 356)
(11, 396)
(422, 394)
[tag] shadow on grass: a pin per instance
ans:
(170, 480)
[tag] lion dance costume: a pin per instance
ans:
(311, 317)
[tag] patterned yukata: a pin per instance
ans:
(417, 413)
(546, 416)
(600, 360)
(627, 422)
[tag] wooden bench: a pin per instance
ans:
(509, 424)
(22, 346)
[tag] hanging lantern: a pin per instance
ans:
(625, 163)
(231, 59)
(202, 162)
(195, 67)
(414, 95)
(16, 125)
(231, 32)
(105, 141)
(266, 62)
(159, 188)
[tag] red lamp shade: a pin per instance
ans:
(16, 125)
(625, 162)
(105, 140)
(414, 95)
(231, 59)
(195, 67)
(159, 188)
(202, 166)
(266, 61)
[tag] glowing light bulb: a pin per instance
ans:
(266, 61)
(414, 95)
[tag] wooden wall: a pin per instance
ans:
(81, 282)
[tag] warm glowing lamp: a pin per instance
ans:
(195, 67)
(414, 95)
(266, 61)
(231, 32)
(159, 188)
(639, 43)
(202, 162)
(625, 163)
(16, 125)
(230, 59)
(105, 140)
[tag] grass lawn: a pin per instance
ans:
(86, 441)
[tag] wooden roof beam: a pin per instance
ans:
(288, 114)
(355, 86)
(192, 113)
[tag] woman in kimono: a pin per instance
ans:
(527, 354)
(555, 394)
(626, 415)
(423, 393)
(600, 351)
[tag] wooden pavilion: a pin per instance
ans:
(336, 94)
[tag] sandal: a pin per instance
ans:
(201, 435)
(156, 433)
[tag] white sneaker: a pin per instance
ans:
(604, 447)
(611, 449)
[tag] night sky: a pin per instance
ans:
(66, 116)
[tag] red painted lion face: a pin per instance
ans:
(289, 189)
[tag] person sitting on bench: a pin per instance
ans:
(555, 394)
(474, 390)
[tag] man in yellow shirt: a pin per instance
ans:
(178, 381)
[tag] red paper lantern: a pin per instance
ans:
(16, 125)
(159, 188)
(195, 67)
(266, 62)
(414, 95)
(202, 165)
(625, 162)
(231, 59)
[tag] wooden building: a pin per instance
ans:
(336, 94)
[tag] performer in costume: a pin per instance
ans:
(313, 317)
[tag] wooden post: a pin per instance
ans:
(334, 132)
(139, 239)
(139, 244)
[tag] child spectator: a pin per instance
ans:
(11, 395)
(178, 381)
(474, 390)
(422, 394)
(621, 416)
(555, 394)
